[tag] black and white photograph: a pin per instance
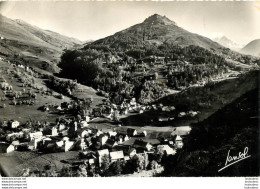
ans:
(129, 89)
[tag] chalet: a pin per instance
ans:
(171, 143)
(73, 128)
(50, 146)
(3, 147)
(166, 149)
(181, 130)
(60, 143)
(82, 133)
(15, 143)
(181, 114)
(162, 118)
(83, 123)
(11, 136)
(142, 145)
(99, 132)
(171, 118)
(46, 108)
(119, 139)
(47, 131)
(112, 133)
(129, 142)
(31, 145)
(36, 135)
(65, 132)
(69, 145)
(120, 147)
(90, 157)
(4, 124)
(131, 152)
(83, 145)
(101, 154)
(131, 132)
(133, 102)
(92, 161)
(54, 131)
(154, 107)
(46, 139)
(166, 109)
(111, 143)
(107, 111)
(102, 139)
(65, 105)
(178, 141)
(97, 112)
(117, 155)
(192, 113)
(10, 148)
(15, 124)
(142, 134)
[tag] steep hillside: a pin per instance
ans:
(231, 129)
(154, 31)
(252, 48)
(35, 46)
(206, 99)
(147, 59)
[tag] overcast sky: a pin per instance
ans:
(239, 21)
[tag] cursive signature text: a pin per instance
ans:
(234, 159)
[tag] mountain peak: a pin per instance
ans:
(158, 19)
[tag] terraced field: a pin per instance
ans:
(13, 164)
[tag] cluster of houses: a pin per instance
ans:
(132, 107)
(120, 143)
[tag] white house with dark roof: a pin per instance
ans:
(15, 124)
(54, 131)
(102, 139)
(116, 155)
(10, 148)
(178, 141)
(36, 135)
(69, 145)
(83, 123)
(167, 149)
(101, 154)
(131, 152)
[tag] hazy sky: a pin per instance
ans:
(239, 21)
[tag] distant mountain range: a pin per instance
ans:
(252, 48)
(228, 43)
(156, 30)
(25, 40)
